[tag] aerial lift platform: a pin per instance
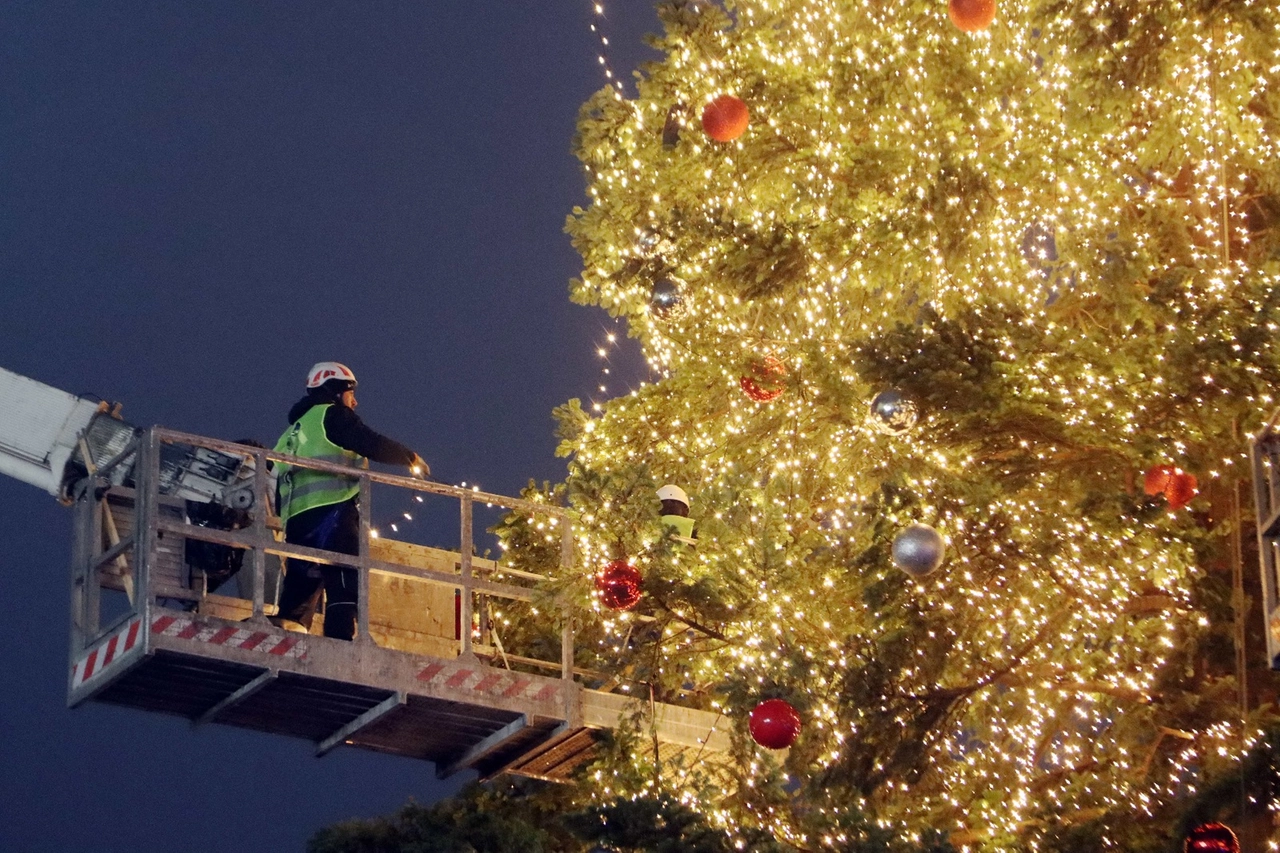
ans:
(426, 676)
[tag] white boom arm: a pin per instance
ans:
(39, 430)
(46, 435)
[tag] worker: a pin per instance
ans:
(321, 510)
(675, 514)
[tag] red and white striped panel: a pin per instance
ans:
(186, 628)
(99, 659)
(508, 685)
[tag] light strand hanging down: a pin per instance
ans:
(597, 9)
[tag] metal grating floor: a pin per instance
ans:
(558, 761)
(432, 729)
(178, 684)
(314, 708)
(303, 706)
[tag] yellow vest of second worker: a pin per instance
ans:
(682, 524)
(302, 489)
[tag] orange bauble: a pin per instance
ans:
(1156, 480)
(1211, 838)
(972, 16)
(1178, 487)
(725, 118)
(1182, 488)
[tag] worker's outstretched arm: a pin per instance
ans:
(346, 430)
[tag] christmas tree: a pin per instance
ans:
(957, 319)
(991, 285)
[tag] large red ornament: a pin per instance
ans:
(1177, 486)
(1156, 480)
(1181, 489)
(774, 724)
(725, 118)
(972, 16)
(619, 585)
(764, 384)
(1211, 838)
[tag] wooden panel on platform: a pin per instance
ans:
(410, 612)
(405, 613)
(169, 570)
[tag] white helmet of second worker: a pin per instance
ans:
(673, 493)
(323, 371)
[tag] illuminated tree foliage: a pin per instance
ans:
(1057, 237)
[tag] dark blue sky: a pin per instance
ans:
(197, 201)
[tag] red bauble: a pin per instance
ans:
(972, 16)
(619, 585)
(764, 385)
(1182, 487)
(1177, 486)
(1211, 838)
(725, 118)
(1156, 480)
(774, 724)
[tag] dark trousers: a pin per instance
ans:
(330, 528)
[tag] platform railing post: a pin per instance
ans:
(258, 556)
(465, 548)
(85, 508)
(362, 581)
(146, 479)
(92, 548)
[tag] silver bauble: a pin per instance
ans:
(667, 301)
(918, 550)
(892, 413)
(648, 241)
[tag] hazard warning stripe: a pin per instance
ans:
(184, 628)
(99, 659)
(507, 685)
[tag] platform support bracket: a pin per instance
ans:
(484, 747)
(386, 706)
(259, 682)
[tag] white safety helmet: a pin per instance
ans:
(673, 493)
(323, 371)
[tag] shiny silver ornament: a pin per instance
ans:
(648, 242)
(892, 413)
(918, 550)
(667, 300)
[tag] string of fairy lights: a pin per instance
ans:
(606, 67)
(604, 350)
(608, 346)
(1022, 171)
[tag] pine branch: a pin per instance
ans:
(950, 694)
(690, 622)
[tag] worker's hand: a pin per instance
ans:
(419, 468)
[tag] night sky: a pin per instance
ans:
(197, 202)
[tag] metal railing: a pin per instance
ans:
(132, 558)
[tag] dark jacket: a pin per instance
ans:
(345, 429)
